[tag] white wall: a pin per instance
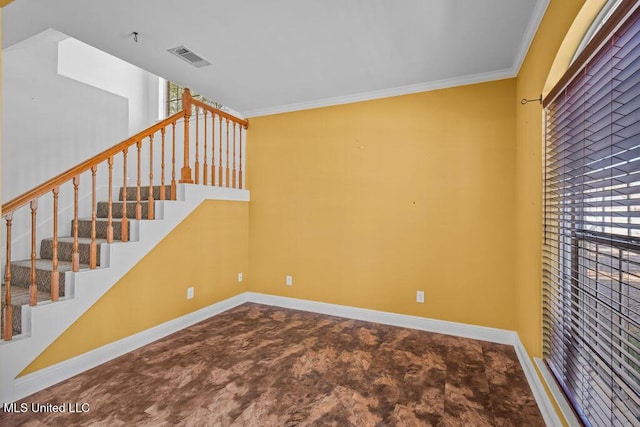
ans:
(86, 64)
(50, 122)
(53, 122)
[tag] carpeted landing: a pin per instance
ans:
(257, 365)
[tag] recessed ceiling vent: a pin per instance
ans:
(192, 58)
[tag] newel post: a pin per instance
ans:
(185, 173)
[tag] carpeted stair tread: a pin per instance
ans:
(132, 193)
(19, 297)
(81, 240)
(21, 274)
(116, 209)
(65, 248)
(43, 264)
(84, 228)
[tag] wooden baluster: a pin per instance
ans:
(151, 213)
(110, 203)
(204, 151)
(33, 287)
(233, 159)
(213, 149)
(75, 255)
(185, 175)
(220, 155)
(8, 309)
(197, 136)
(125, 222)
(93, 247)
(226, 183)
(173, 161)
(138, 204)
(163, 131)
(240, 162)
(55, 282)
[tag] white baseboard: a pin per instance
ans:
(499, 336)
(537, 388)
(563, 404)
(36, 381)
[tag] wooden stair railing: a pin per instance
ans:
(106, 160)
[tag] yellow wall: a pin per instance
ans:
(207, 251)
(366, 203)
(529, 137)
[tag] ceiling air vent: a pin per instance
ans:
(192, 58)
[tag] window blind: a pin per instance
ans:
(591, 250)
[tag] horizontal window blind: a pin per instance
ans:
(591, 252)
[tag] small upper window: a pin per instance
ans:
(174, 98)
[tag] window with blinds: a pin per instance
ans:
(591, 253)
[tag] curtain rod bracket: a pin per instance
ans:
(525, 101)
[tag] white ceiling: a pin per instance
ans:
(282, 55)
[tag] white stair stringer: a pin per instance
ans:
(45, 322)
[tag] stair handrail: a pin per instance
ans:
(221, 149)
(69, 174)
(46, 187)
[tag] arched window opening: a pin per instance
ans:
(604, 15)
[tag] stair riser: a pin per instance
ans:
(116, 209)
(84, 229)
(132, 193)
(65, 251)
(21, 277)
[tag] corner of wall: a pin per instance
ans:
(529, 142)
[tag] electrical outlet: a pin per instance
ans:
(289, 281)
(420, 296)
(239, 277)
(190, 292)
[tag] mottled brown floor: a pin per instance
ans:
(257, 365)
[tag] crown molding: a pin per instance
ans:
(383, 93)
(529, 34)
